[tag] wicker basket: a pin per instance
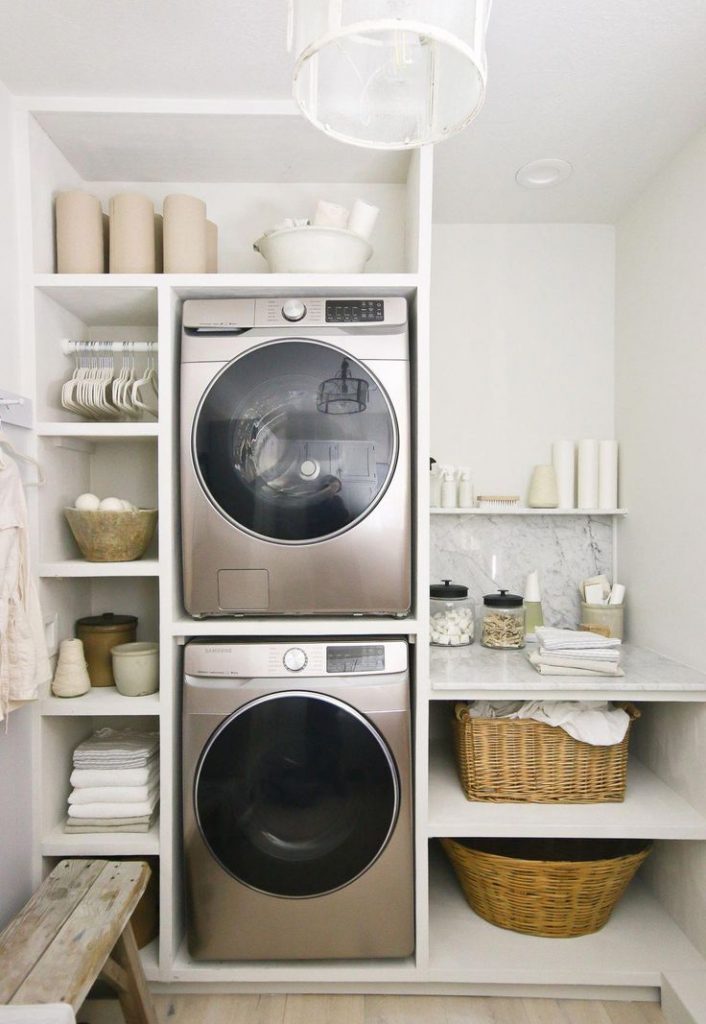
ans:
(523, 761)
(557, 888)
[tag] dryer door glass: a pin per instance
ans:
(295, 441)
(296, 794)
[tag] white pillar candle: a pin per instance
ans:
(588, 474)
(608, 474)
(564, 462)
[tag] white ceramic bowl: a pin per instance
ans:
(314, 250)
(136, 668)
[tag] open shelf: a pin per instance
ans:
(529, 512)
(93, 297)
(80, 568)
(100, 700)
(474, 672)
(99, 431)
(302, 626)
(100, 844)
(651, 810)
(638, 944)
(121, 300)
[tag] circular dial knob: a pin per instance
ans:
(294, 659)
(293, 309)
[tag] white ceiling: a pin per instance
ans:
(613, 86)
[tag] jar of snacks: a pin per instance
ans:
(503, 625)
(451, 615)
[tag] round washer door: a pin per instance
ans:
(294, 441)
(296, 794)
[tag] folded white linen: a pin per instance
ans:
(138, 819)
(594, 722)
(564, 670)
(561, 659)
(88, 777)
(597, 723)
(116, 748)
(569, 639)
(582, 653)
(106, 810)
(75, 825)
(113, 794)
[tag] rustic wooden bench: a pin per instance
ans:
(76, 929)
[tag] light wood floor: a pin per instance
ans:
(301, 1009)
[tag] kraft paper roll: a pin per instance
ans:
(608, 474)
(131, 234)
(184, 235)
(564, 462)
(79, 234)
(158, 243)
(211, 247)
(588, 474)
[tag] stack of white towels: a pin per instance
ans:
(568, 652)
(116, 782)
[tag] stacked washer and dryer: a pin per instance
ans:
(296, 500)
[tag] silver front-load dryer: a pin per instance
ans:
(298, 800)
(295, 457)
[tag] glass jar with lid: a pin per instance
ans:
(503, 626)
(451, 615)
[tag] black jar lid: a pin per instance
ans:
(108, 620)
(448, 591)
(503, 600)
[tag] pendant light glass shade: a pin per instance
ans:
(389, 74)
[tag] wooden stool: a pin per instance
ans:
(76, 929)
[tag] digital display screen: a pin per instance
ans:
(368, 658)
(354, 311)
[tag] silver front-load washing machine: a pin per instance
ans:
(295, 457)
(298, 799)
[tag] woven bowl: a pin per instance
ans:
(112, 536)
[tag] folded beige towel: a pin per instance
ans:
(610, 671)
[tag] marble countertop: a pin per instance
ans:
(504, 674)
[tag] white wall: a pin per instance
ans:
(15, 759)
(522, 345)
(661, 422)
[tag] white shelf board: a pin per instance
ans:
(79, 568)
(476, 671)
(651, 810)
(312, 971)
(100, 700)
(639, 942)
(120, 300)
(58, 843)
(275, 626)
(529, 512)
(99, 431)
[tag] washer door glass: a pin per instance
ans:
(294, 441)
(296, 794)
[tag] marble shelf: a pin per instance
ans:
(476, 671)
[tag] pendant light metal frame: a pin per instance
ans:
(475, 54)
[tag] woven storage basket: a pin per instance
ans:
(557, 888)
(522, 761)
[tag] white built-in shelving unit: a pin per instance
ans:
(254, 164)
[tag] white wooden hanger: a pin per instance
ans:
(7, 444)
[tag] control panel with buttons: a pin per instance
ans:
(355, 311)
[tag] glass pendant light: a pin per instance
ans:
(343, 394)
(389, 74)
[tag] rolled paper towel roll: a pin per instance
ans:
(608, 474)
(131, 234)
(543, 491)
(588, 474)
(79, 234)
(211, 247)
(564, 462)
(330, 215)
(158, 243)
(362, 219)
(184, 235)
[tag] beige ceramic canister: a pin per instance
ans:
(132, 234)
(185, 246)
(100, 634)
(79, 234)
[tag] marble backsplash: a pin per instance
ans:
(489, 552)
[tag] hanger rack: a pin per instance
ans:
(69, 347)
(15, 410)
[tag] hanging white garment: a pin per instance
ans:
(24, 664)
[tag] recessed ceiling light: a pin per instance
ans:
(543, 173)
